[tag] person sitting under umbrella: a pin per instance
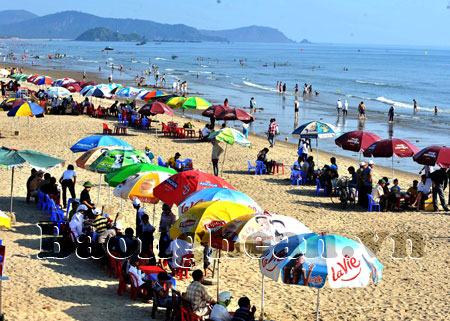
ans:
(205, 132)
(262, 157)
(245, 312)
(172, 162)
(412, 191)
(197, 295)
(85, 198)
(219, 311)
(325, 179)
(378, 195)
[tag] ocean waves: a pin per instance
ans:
(374, 83)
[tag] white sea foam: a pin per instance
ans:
(169, 69)
(401, 104)
(250, 84)
(159, 58)
(377, 83)
(236, 85)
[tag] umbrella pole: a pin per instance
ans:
(12, 186)
(218, 276)
(154, 211)
(262, 298)
(392, 166)
(318, 303)
(317, 151)
(99, 189)
(224, 156)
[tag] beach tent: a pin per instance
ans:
(315, 129)
(11, 158)
(348, 263)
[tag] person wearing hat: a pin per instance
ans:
(219, 311)
(172, 162)
(85, 198)
(367, 180)
(77, 221)
(378, 194)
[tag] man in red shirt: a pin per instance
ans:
(273, 130)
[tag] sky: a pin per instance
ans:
(392, 22)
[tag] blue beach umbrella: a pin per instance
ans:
(128, 92)
(95, 92)
(309, 259)
(90, 142)
(315, 129)
(217, 194)
(86, 89)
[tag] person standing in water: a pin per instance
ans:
(296, 109)
(362, 110)
(252, 105)
(345, 108)
(416, 106)
(284, 88)
(339, 106)
(435, 110)
(296, 89)
(391, 114)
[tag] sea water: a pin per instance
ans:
(380, 76)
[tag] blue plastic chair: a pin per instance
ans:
(133, 119)
(298, 177)
(48, 203)
(57, 214)
(41, 200)
(260, 168)
(69, 203)
(161, 162)
(251, 167)
(120, 118)
(125, 122)
(144, 123)
(320, 188)
(372, 204)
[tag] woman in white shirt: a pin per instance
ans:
(76, 223)
(68, 181)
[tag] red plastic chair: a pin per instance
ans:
(134, 286)
(186, 261)
(106, 130)
(122, 284)
(113, 264)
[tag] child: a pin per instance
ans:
(207, 255)
(395, 194)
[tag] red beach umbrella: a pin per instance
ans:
(236, 114)
(179, 186)
(434, 155)
(90, 83)
(215, 110)
(72, 87)
(32, 79)
(357, 140)
(389, 148)
(156, 108)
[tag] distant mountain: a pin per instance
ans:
(15, 16)
(250, 34)
(104, 34)
(71, 24)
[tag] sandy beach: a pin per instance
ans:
(414, 287)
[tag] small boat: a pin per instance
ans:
(174, 57)
(108, 48)
(141, 43)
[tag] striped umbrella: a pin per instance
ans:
(195, 103)
(175, 102)
(85, 160)
(25, 108)
(43, 80)
(117, 176)
(86, 89)
(154, 94)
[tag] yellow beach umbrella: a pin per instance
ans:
(207, 217)
(195, 103)
(175, 102)
(5, 221)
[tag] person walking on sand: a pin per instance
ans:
(345, 108)
(391, 114)
(216, 151)
(273, 131)
(416, 106)
(339, 106)
(296, 109)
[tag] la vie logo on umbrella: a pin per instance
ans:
(347, 270)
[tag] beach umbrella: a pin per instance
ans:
(22, 108)
(175, 102)
(117, 176)
(155, 108)
(214, 110)
(308, 259)
(179, 186)
(89, 83)
(87, 158)
(434, 155)
(204, 217)
(57, 92)
(33, 78)
(72, 87)
(217, 194)
(95, 92)
(315, 129)
(64, 81)
(43, 80)
(356, 141)
(85, 89)
(127, 92)
(140, 186)
(7, 104)
(141, 93)
(229, 136)
(23, 77)
(154, 94)
(195, 103)
(90, 142)
(116, 158)
(117, 89)
(5, 221)
(236, 114)
(12, 158)
(391, 147)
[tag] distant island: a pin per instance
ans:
(104, 34)
(306, 41)
(75, 25)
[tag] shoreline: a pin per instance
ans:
(195, 115)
